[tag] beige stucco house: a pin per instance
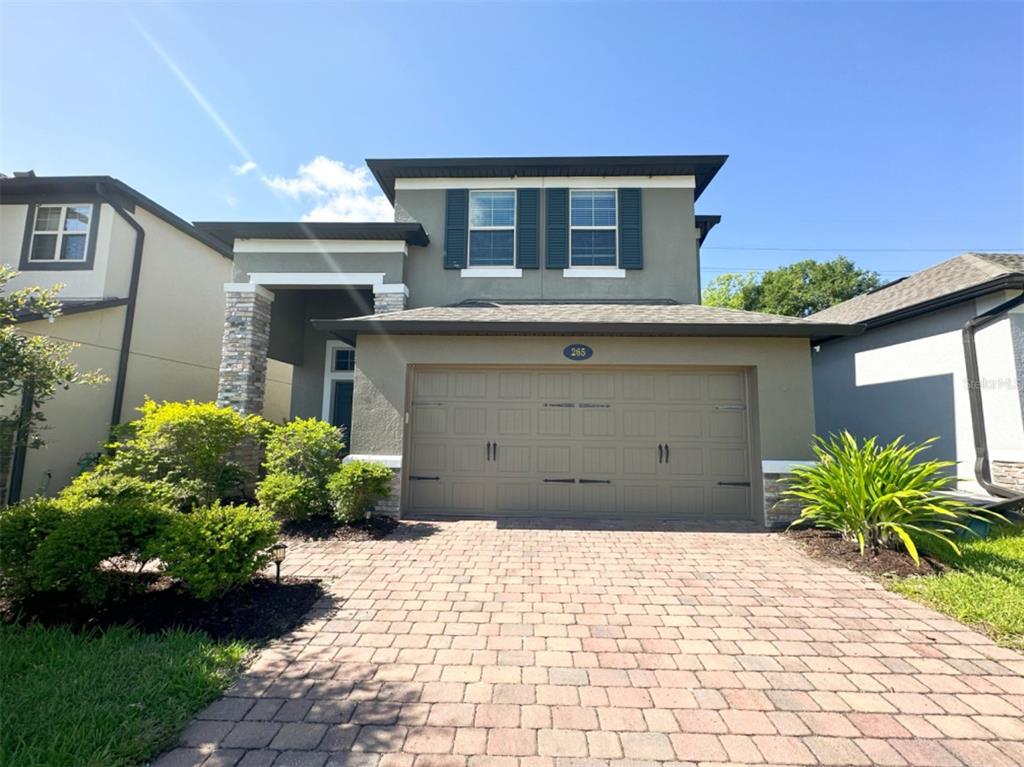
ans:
(143, 300)
(526, 338)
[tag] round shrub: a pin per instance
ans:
(308, 447)
(23, 528)
(354, 488)
(290, 496)
(90, 547)
(216, 547)
(104, 486)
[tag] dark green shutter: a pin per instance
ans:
(557, 219)
(527, 250)
(456, 224)
(631, 241)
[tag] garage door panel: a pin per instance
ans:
(429, 457)
(429, 419)
(582, 442)
(554, 460)
(640, 461)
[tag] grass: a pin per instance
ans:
(103, 699)
(985, 588)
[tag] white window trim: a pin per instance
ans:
(492, 271)
(515, 234)
(573, 228)
(331, 376)
(60, 233)
(595, 272)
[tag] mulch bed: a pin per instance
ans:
(260, 610)
(325, 528)
(829, 546)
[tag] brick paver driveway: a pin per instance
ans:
(483, 643)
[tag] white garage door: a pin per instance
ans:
(507, 441)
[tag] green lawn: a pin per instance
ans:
(106, 699)
(985, 589)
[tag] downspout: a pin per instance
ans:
(129, 315)
(982, 469)
(20, 449)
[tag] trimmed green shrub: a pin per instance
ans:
(299, 459)
(90, 547)
(189, 445)
(355, 487)
(290, 496)
(216, 547)
(23, 528)
(104, 486)
(881, 495)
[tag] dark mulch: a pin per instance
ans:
(830, 546)
(326, 528)
(260, 610)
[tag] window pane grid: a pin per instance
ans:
(593, 223)
(60, 233)
(492, 234)
(344, 359)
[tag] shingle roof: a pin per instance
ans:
(556, 318)
(970, 270)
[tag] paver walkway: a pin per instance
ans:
(483, 643)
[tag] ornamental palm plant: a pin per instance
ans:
(880, 495)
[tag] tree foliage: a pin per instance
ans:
(32, 369)
(796, 290)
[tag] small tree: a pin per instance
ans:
(32, 369)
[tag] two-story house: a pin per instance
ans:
(143, 299)
(527, 338)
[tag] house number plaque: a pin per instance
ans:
(578, 352)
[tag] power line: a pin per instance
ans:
(869, 250)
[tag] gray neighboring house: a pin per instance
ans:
(526, 338)
(942, 355)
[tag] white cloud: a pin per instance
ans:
(338, 193)
(246, 167)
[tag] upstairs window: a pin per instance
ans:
(60, 233)
(344, 359)
(492, 228)
(593, 228)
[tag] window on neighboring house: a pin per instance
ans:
(60, 233)
(492, 228)
(594, 230)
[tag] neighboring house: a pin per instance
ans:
(527, 338)
(911, 373)
(143, 299)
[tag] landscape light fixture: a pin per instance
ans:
(277, 553)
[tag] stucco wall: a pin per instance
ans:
(78, 419)
(783, 374)
(670, 258)
(910, 379)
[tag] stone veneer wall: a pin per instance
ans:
(392, 505)
(777, 513)
(1008, 474)
(389, 302)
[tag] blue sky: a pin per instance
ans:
(892, 133)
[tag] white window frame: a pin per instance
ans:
(331, 376)
(515, 234)
(57, 248)
(614, 229)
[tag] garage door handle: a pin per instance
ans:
(595, 481)
(562, 481)
(488, 451)
(661, 453)
(735, 484)
(419, 478)
(666, 452)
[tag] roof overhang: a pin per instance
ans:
(701, 167)
(410, 233)
(349, 329)
(705, 224)
(73, 306)
(35, 190)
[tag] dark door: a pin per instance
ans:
(341, 408)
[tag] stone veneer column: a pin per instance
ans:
(1008, 474)
(243, 365)
(390, 298)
